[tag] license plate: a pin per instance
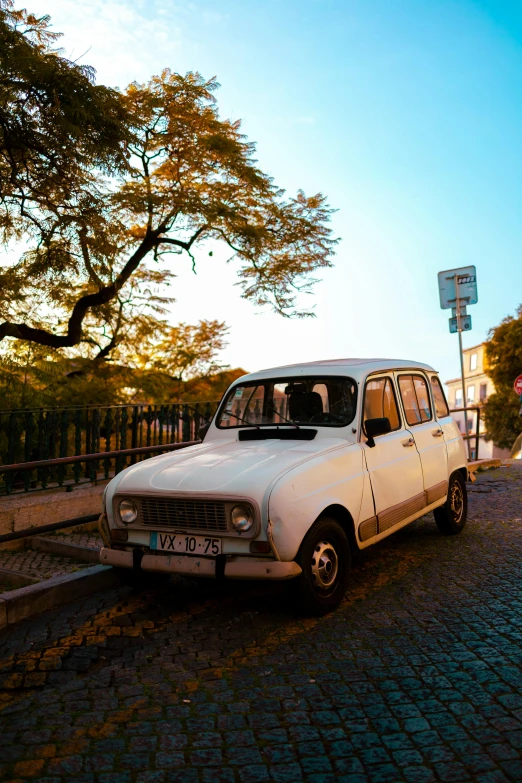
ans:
(190, 545)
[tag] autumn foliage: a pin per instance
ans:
(104, 190)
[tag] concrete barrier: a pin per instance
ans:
(18, 512)
(18, 604)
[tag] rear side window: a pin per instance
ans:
(415, 398)
(379, 401)
(441, 406)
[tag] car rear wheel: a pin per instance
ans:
(451, 517)
(324, 557)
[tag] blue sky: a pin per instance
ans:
(407, 113)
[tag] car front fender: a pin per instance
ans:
(300, 496)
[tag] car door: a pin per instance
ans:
(455, 449)
(427, 433)
(393, 463)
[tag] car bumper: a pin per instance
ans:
(188, 565)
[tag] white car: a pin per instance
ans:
(300, 466)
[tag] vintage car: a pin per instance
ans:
(301, 466)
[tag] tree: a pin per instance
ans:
(181, 365)
(504, 363)
(56, 125)
(190, 178)
(132, 353)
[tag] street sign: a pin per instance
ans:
(457, 290)
(467, 287)
(465, 324)
(462, 312)
(518, 385)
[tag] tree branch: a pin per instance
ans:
(83, 305)
(179, 243)
(87, 258)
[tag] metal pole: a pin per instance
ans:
(463, 381)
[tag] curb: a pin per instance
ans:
(83, 554)
(16, 578)
(18, 604)
(473, 466)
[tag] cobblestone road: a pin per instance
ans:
(416, 677)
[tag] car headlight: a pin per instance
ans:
(242, 519)
(128, 511)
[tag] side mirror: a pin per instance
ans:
(374, 427)
(203, 430)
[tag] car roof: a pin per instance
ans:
(357, 368)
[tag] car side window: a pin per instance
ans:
(441, 406)
(423, 397)
(415, 398)
(380, 401)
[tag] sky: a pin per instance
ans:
(407, 114)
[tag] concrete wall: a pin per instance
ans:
(18, 512)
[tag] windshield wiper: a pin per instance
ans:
(271, 407)
(229, 413)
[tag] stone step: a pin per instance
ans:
(55, 545)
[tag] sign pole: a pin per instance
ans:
(461, 355)
(456, 285)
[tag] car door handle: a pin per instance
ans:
(409, 442)
(437, 433)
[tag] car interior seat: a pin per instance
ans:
(303, 405)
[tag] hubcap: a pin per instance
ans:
(325, 566)
(457, 502)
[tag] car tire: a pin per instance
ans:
(451, 517)
(140, 579)
(324, 556)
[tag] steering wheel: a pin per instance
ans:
(326, 418)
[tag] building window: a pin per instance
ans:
(483, 391)
(458, 398)
(471, 394)
(473, 361)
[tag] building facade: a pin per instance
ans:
(478, 388)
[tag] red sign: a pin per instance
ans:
(518, 385)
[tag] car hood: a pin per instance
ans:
(224, 466)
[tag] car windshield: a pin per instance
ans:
(324, 401)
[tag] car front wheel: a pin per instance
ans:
(324, 557)
(451, 517)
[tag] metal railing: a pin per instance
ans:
(122, 454)
(45, 434)
(42, 529)
(474, 435)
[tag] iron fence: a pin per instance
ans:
(47, 434)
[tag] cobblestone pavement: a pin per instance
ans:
(40, 565)
(416, 677)
(43, 565)
(91, 538)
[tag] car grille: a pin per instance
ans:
(187, 514)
